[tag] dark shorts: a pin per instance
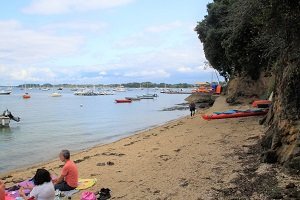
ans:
(192, 109)
(63, 186)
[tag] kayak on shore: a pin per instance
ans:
(235, 114)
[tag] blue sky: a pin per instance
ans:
(101, 41)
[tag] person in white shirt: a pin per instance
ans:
(43, 189)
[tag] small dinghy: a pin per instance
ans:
(123, 100)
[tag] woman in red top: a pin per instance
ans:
(68, 179)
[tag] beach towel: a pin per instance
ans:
(85, 183)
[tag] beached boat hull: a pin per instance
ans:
(234, 115)
(123, 101)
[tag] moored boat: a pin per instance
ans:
(56, 94)
(26, 96)
(133, 98)
(123, 100)
(6, 117)
(145, 97)
(5, 92)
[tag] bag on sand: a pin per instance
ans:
(88, 196)
(104, 194)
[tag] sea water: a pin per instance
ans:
(49, 124)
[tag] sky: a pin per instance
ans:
(101, 41)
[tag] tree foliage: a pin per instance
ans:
(248, 36)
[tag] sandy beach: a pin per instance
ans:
(188, 158)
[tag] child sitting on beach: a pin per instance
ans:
(43, 189)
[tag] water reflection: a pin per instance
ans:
(4, 130)
(6, 133)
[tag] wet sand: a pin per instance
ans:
(188, 158)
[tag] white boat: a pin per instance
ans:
(56, 94)
(4, 121)
(120, 88)
(45, 89)
(6, 117)
(5, 92)
(85, 92)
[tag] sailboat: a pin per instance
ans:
(55, 94)
(148, 96)
(26, 95)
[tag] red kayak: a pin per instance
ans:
(123, 100)
(237, 114)
(261, 103)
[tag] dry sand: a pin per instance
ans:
(188, 158)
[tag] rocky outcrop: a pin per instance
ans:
(283, 120)
(243, 89)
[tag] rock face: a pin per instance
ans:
(283, 135)
(201, 98)
(243, 89)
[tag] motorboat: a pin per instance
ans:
(6, 117)
(133, 98)
(26, 96)
(56, 94)
(5, 92)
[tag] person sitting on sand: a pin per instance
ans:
(192, 108)
(68, 179)
(43, 189)
(2, 191)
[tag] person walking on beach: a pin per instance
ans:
(2, 191)
(68, 179)
(43, 189)
(192, 108)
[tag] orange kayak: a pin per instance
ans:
(261, 103)
(246, 113)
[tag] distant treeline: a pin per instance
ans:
(127, 85)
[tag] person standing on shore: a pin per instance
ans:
(192, 108)
(2, 191)
(68, 179)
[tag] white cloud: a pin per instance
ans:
(34, 74)
(185, 69)
(150, 36)
(148, 73)
(76, 26)
(163, 27)
(102, 73)
(19, 45)
(47, 7)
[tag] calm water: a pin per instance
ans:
(49, 124)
